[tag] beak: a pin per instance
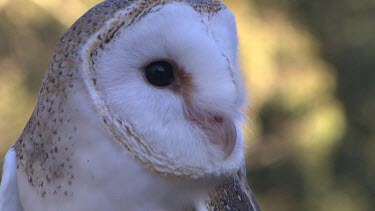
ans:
(219, 128)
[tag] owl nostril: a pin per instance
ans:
(218, 119)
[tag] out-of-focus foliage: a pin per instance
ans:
(309, 67)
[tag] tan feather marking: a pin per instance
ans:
(45, 146)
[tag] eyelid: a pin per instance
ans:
(170, 61)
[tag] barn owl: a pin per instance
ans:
(140, 110)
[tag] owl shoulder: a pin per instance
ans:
(233, 194)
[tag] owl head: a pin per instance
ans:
(162, 76)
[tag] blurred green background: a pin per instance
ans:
(310, 69)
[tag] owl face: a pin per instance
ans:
(173, 77)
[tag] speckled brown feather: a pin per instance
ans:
(37, 153)
(234, 194)
(44, 148)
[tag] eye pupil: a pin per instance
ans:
(159, 73)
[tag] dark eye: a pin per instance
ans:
(159, 73)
